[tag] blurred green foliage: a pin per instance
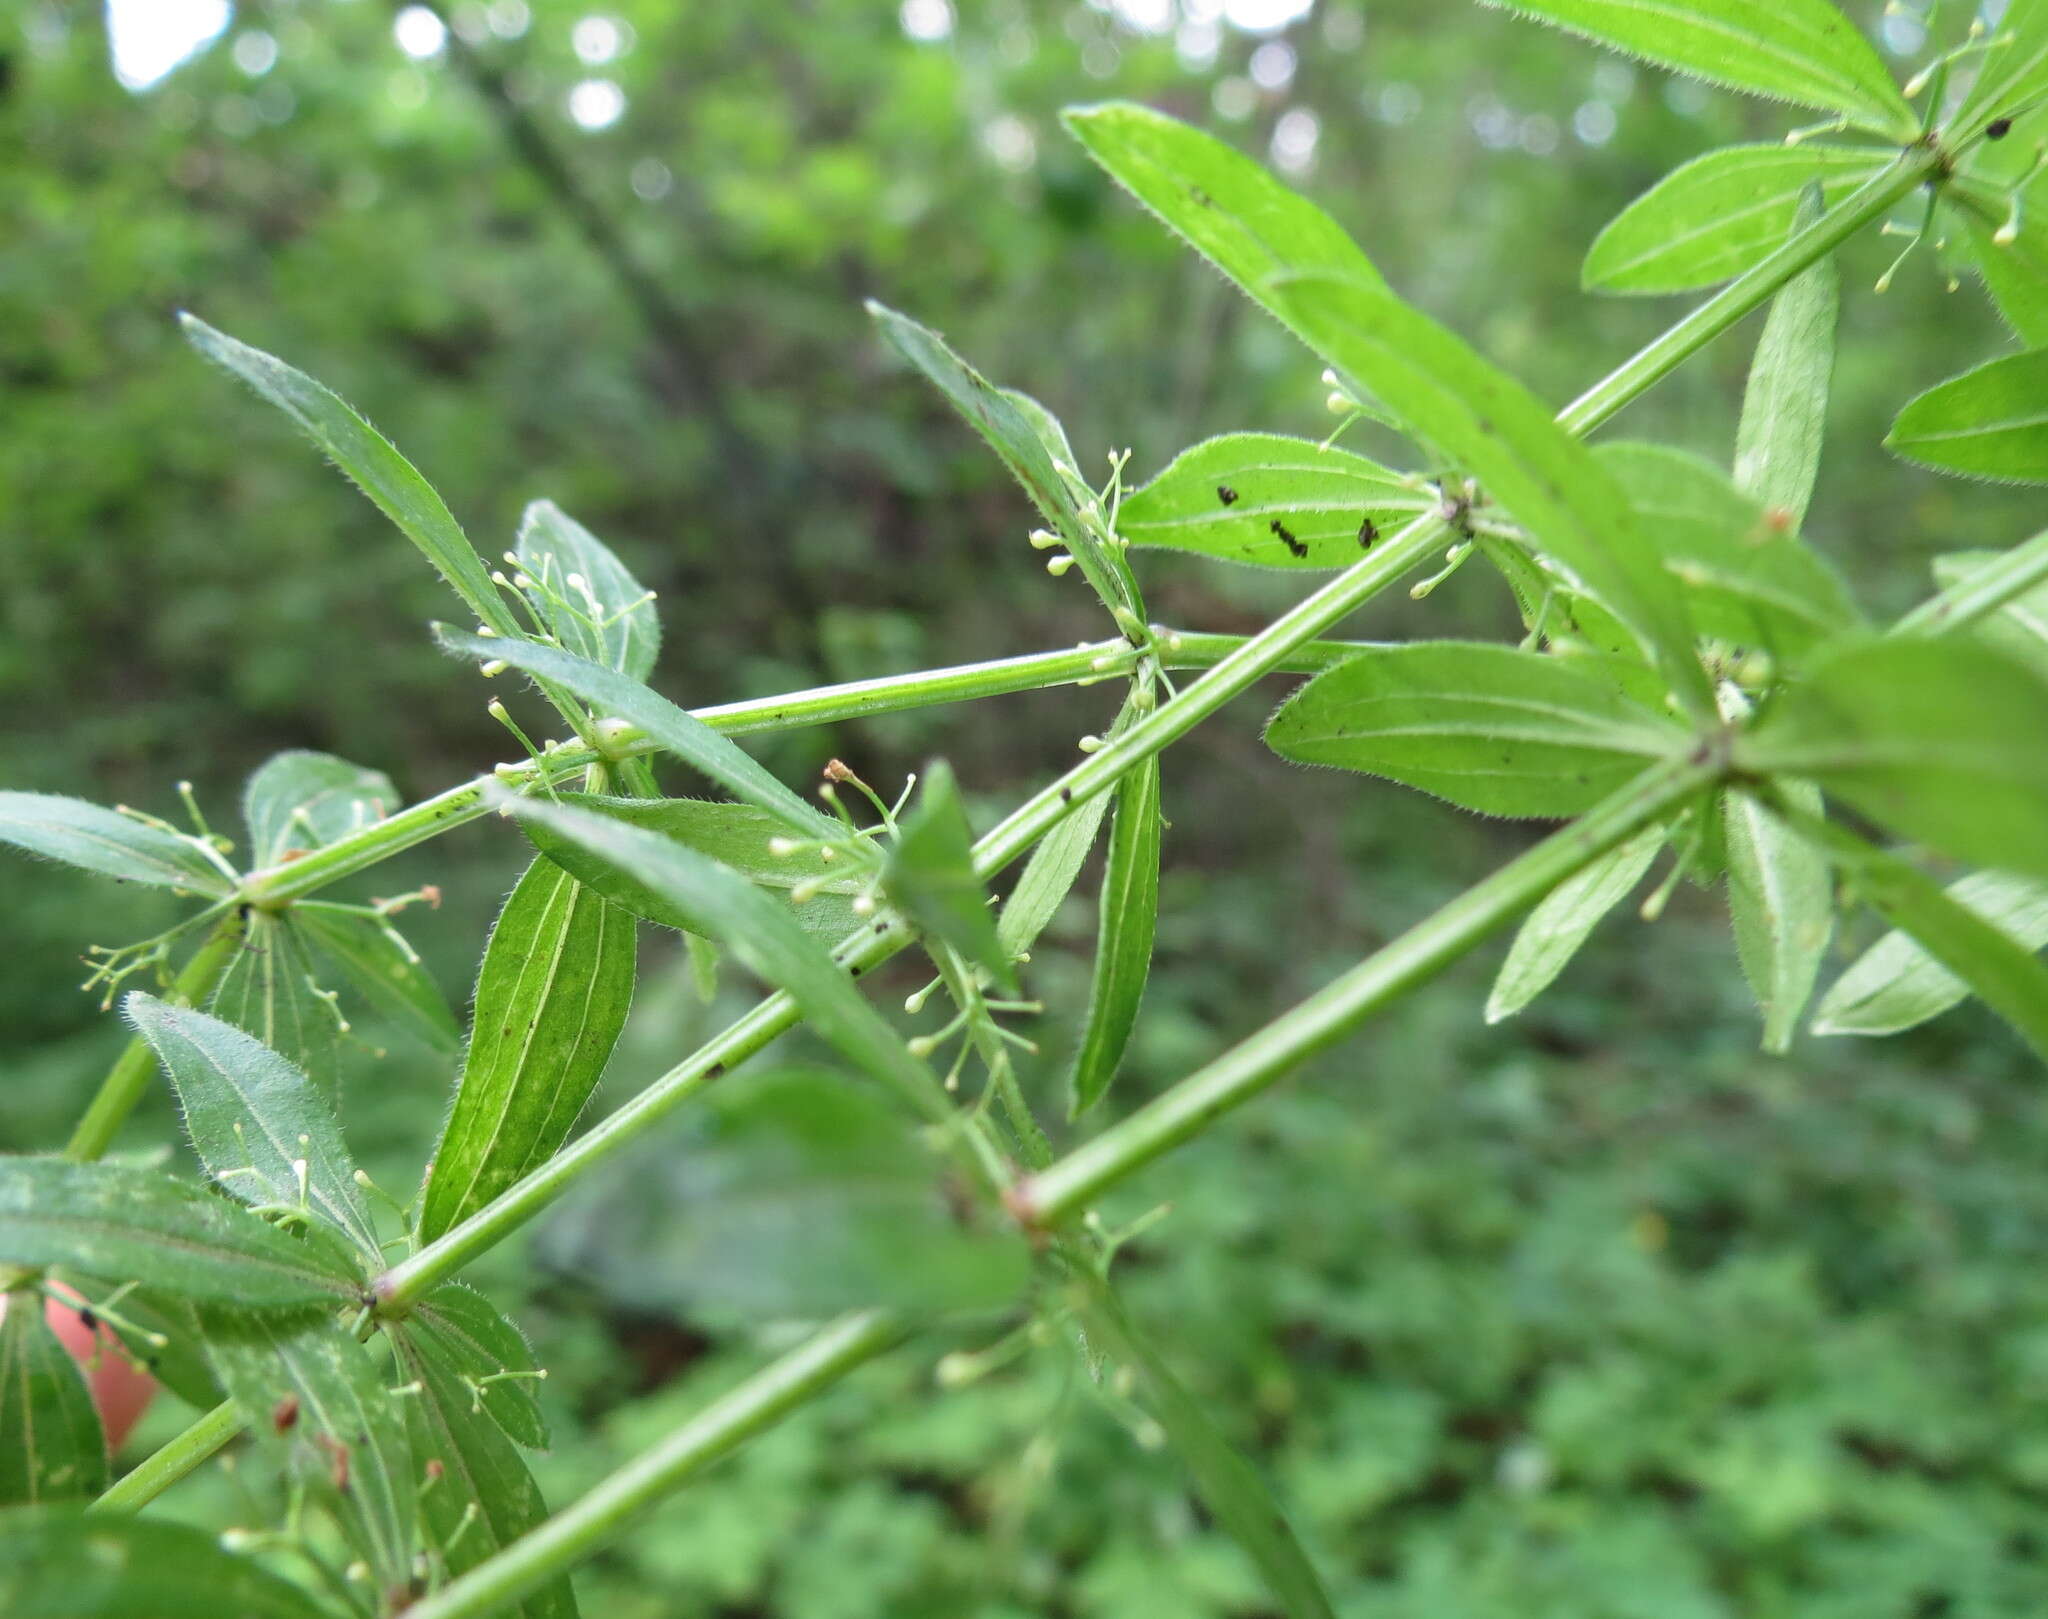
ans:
(1596, 1313)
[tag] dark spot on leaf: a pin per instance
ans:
(1225, 493)
(1368, 533)
(1998, 129)
(284, 1415)
(87, 1319)
(1202, 198)
(1287, 539)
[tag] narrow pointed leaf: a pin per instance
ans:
(1896, 985)
(484, 1498)
(2018, 626)
(607, 617)
(1049, 876)
(1128, 916)
(51, 1444)
(551, 997)
(930, 877)
(1711, 219)
(1802, 51)
(370, 461)
(1940, 740)
(1565, 919)
(1781, 897)
(1271, 502)
(58, 1563)
(1487, 727)
(755, 928)
(137, 1225)
(1495, 429)
(269, 990)
(302, 800)
(373, 956)
(2013, 73)
(1988, 423)
(317, 1401)
(99, 840)
(487, 1353)
(1785, 405)
(688, 738)
(255, 1119)
(2014, 273)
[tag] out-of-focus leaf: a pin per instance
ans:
(2014, 273)
(316, 1400)
(1565, 918)
(143, 1316)
(587, 598)
(1049, 876)
(51, 1444)
(551, 997)
(930, 877)
(1711, 219)
(268, 990)
(2020, 626)
(615, 695)
(1128, 916)
(99, 840)
(1785, 405)
(1271, 501)
(370, 462)
(1781, 897)
(1496, 430)
(137, 1225)
(804, 1193)
(758, 930)
(301, 800)
(2012, 73)
(57, 1563)
(1487, 727)
(264, 1132)
(1802, 51)
(480, 1470)
(480, 1348)
(1937, 739)
(1986, 423)
(376, 959)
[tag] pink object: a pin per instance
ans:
(121, 1391)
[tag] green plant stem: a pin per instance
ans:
(133, 1070)
(858, 699)
(609, 1509)
(171, 1462)
(1965, 602)
(1631, 379)
(1045, 1199)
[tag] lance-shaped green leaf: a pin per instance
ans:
(1231, 1488)
(2019, 626)
(370, 461)
(1487, 727)
(1785, 405)
(1495, 429)
(137, 1225)
(1747, 577)
(1802, 51)
(270, 991)
(1128, 916)
(383, 967)
(589, 601)
(1014, 427)
(487, 1354)
(802, 1192)
(1937, 739)
(484, 1498)
(1897, 985)
(264, 1131)
(551, 997)
(1781, 898)
(51, 1444)
(301, 800)
(1565, 919)
(735, 835)
(58, 1563)
(1988, 423)
(930, 877)
(1049, 876)
(1052, 437)
(757, 930)
(1270, 501)
(2012, 74)
(1711, 219)
(674, 729)
(2015, 271)
(99, 840)
(317, 1401)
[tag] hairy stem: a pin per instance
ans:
(165, 1466)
